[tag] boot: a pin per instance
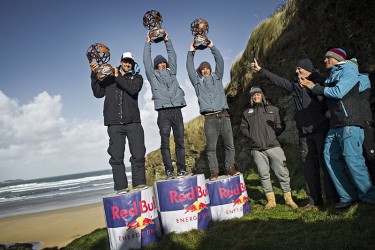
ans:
(214, 175)
(271, 201)
(289, 201)
(232, 171)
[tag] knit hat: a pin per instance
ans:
(204, 65)
(158, 59)
(337, 53)
(306, 64)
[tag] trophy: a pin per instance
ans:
(152, 21)
(100, 53)
(199, 28)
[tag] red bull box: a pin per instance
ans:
(228, 198)
(184, 204)
(132, 219)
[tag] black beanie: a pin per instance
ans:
(305, 64)
(158, 59)
(204, 65)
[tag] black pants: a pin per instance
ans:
(168, 119)
(117, 139)
(369, 148)
(311, 150)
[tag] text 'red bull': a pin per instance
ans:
(144, 207)
(174, 196)
(227, 193)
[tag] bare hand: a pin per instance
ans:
(306, 83)
(210, 44)
(192, 47)
(148, 39)
(116, 72)
(254, 65)
(94, 66)
(166, 37)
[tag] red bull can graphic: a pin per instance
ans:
(184, 204)
(228, 198)
(132, 219)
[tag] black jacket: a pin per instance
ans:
(310, 109)
(121, 97)
(262, 124)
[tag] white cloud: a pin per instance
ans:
(36, 141)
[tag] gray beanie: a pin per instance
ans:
(305, 64)
(158, 59)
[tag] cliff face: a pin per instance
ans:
(300, 29)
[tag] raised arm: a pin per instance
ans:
(190, 64)
(172, 56)
(147, 61)
(219, 68)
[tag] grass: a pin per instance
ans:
(282, 228)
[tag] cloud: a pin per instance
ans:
(36, 141)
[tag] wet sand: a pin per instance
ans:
(53, 228)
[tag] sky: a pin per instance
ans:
(50, 122)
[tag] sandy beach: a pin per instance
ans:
(53, 228)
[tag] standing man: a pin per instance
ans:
(312, 125)
(214, 107)
(121, 116)
(168, 99)
(345, 136)
(261, 124)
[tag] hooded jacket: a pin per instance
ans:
(209, 90)
(166, 91)
(262, 124)
(121, 97)
(341, 90)
(310, 109)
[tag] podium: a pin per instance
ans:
(184, 204)
(228, 198)
(132, 219)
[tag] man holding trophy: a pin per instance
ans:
(122, 117)
(168, 99)
(213, 105)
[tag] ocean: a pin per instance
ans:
(29, 196)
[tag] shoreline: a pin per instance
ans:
(54, 228)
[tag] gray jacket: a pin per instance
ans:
(209, 90)
(166, 91)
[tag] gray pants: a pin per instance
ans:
(274, 158)
(213, 129)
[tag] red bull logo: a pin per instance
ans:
(175, 196)
(240, 200)
(143, 206)
(196, 207)
(139, 223)
(227, 193)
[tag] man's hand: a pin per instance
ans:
(306, 83)
(192, 47)
(210, 44)
(254, 65)
(148, 39)
(116, 72)
(166, 37)
(94, 66)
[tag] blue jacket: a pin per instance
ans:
(209, 90)
(342, 91)
(166, 91)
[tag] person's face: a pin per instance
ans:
(162, 66)
(301, 72)
(257, 98)
(330, 61)
(205, 71)
(126, 65)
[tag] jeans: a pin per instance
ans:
(117, 139)
(311, 149)
(274, 158)
(344, 145)
(168, 119)
(214, 127)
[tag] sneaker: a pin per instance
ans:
(232, 171)
(140, 187)
(183, 173)
(123, 191)
(214, 175)
(169, 175)
(343, 204)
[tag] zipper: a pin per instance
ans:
(343, 108)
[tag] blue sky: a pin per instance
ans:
(50, 123)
